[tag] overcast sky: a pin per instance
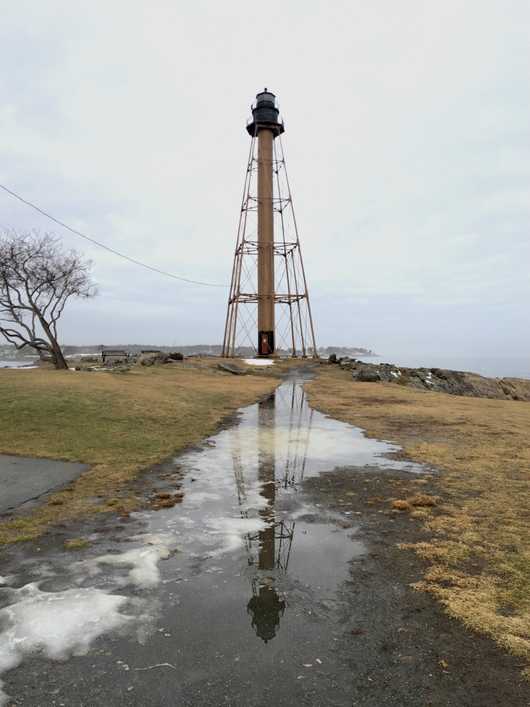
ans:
(407, 143)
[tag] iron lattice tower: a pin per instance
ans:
(268, 289)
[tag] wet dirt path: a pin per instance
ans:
(260, 587)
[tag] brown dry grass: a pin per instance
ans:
(478, 545)
(120, 424)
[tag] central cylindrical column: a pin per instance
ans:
(266, 343)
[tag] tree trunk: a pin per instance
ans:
(59, 360)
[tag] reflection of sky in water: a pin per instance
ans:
(301, 441)
(256, 468)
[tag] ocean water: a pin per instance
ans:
(491, 366)
(17, 363)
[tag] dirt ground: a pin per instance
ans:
(473, 522)
(403, 643)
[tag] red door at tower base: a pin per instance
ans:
(265, 343)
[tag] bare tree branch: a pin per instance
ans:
(37, 279)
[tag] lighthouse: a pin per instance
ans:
(268, 306)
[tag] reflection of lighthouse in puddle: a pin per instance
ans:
(265, 605)
(273, 543)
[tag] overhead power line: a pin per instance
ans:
(106, 247)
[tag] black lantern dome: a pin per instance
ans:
(265, 115)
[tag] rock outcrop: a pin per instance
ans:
(439, 379)
(151, 358)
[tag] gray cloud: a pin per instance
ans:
(406, 139)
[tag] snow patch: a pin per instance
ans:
(55, 624)
(143, 563)
(199, 497)
(258, 361)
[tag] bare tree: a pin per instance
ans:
(37, 278)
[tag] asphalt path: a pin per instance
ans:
(24, 478)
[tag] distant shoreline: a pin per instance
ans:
(489, 366)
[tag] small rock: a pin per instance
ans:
(231, 368)
(401, 505)
(422, 499)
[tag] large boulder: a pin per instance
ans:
(368, 375)
(516, 388)
(150, 359)
(347, 362)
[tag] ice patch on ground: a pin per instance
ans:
(183, 521)
(258, 361)
(143, 563)
(159, 539)
(56, 624)
(199, 497)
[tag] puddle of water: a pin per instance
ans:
(248, 561)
